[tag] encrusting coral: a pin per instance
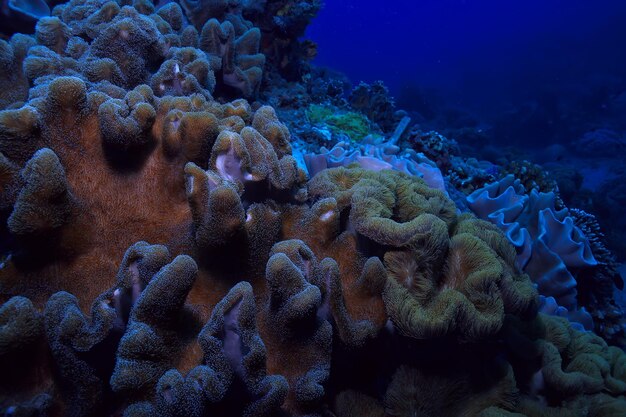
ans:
(167, 257)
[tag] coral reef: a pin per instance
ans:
(204, 47)
(327, 86)
(351, 262)
(608, 200)
(599, 284)
(534, 177)
(163, 254)
(375, 102)
(435, 146)
(469, 174)
(283, 23)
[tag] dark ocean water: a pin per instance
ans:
(564, 60)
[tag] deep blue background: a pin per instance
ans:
(483, 55)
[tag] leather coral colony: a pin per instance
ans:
(165, 256)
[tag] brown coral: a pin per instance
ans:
(235, 55)
(128, 46)
(99, 141)
(448, 275)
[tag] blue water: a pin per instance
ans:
(483, 56)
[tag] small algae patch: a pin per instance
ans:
(340, 123)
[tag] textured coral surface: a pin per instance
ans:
(165, 256)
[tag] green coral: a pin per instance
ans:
(354, 125)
